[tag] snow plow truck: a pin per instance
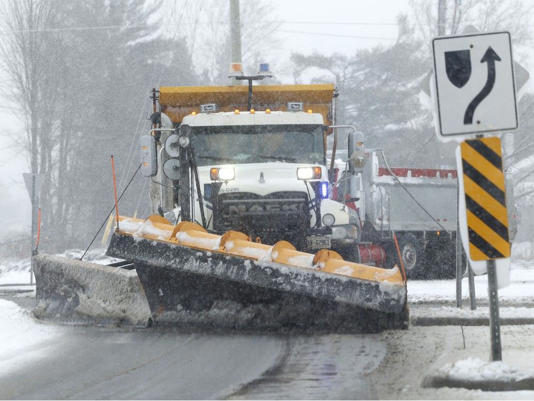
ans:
(245, 233)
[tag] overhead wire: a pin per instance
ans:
(338, 35)
(409, 193)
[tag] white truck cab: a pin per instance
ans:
(264, 173)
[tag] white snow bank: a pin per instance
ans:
(19, 337)
(482, 312)
(523, 251)
(474, 369)
(521, 288)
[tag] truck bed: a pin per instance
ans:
(389, 207)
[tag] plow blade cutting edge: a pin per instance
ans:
(195, 278)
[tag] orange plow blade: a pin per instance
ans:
(193, 277)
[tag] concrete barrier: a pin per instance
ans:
(69, 288)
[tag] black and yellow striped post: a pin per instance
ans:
(487, 219)
(486, 215)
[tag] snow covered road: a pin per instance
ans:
(48, 361)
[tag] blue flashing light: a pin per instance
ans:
(264, 67)
(324, 190)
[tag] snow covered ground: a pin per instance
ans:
(17, 271)
(475, 369)
(417, 351)
(520, 290)
(20, 336)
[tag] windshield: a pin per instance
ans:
(258, 144)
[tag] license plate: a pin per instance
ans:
(318, 242)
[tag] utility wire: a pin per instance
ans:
(338, 35)
(108, 27)
(111, 211)
(340, 23)
(409, 193)
(70, 29)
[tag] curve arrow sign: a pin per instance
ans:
(489, 57)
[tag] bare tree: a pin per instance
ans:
(26, 57)
(79, 73)
(207, 29)
(450, 17)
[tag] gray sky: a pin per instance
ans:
(341, 26)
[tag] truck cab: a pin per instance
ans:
(262, 172)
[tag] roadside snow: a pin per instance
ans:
(19, 337)
(482, 312)
(474, 369)
(520, 290)
(523, 251)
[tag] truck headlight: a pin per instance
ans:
(328, 219)
(309, 173)
(222, 173)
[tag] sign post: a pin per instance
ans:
(487, 217)
(495, 326)
(475, 95)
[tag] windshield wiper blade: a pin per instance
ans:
(279, 158)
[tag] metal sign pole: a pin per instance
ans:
(495, 326)
(472, 295)
(458, 254)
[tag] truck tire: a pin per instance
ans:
(412, 255)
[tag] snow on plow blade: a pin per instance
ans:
(73, 289)
(194, 278)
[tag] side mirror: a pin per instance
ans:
(356, 187)
(149, 156)
(356, 151)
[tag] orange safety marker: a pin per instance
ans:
(115, 190)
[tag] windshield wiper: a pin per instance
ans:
(279, 158)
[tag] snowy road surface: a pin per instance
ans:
(62, 362)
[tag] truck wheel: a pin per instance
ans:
(412, 255)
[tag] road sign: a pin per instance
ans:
(475, 85)
(486, 213)
(479, 267)
(30, 182)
